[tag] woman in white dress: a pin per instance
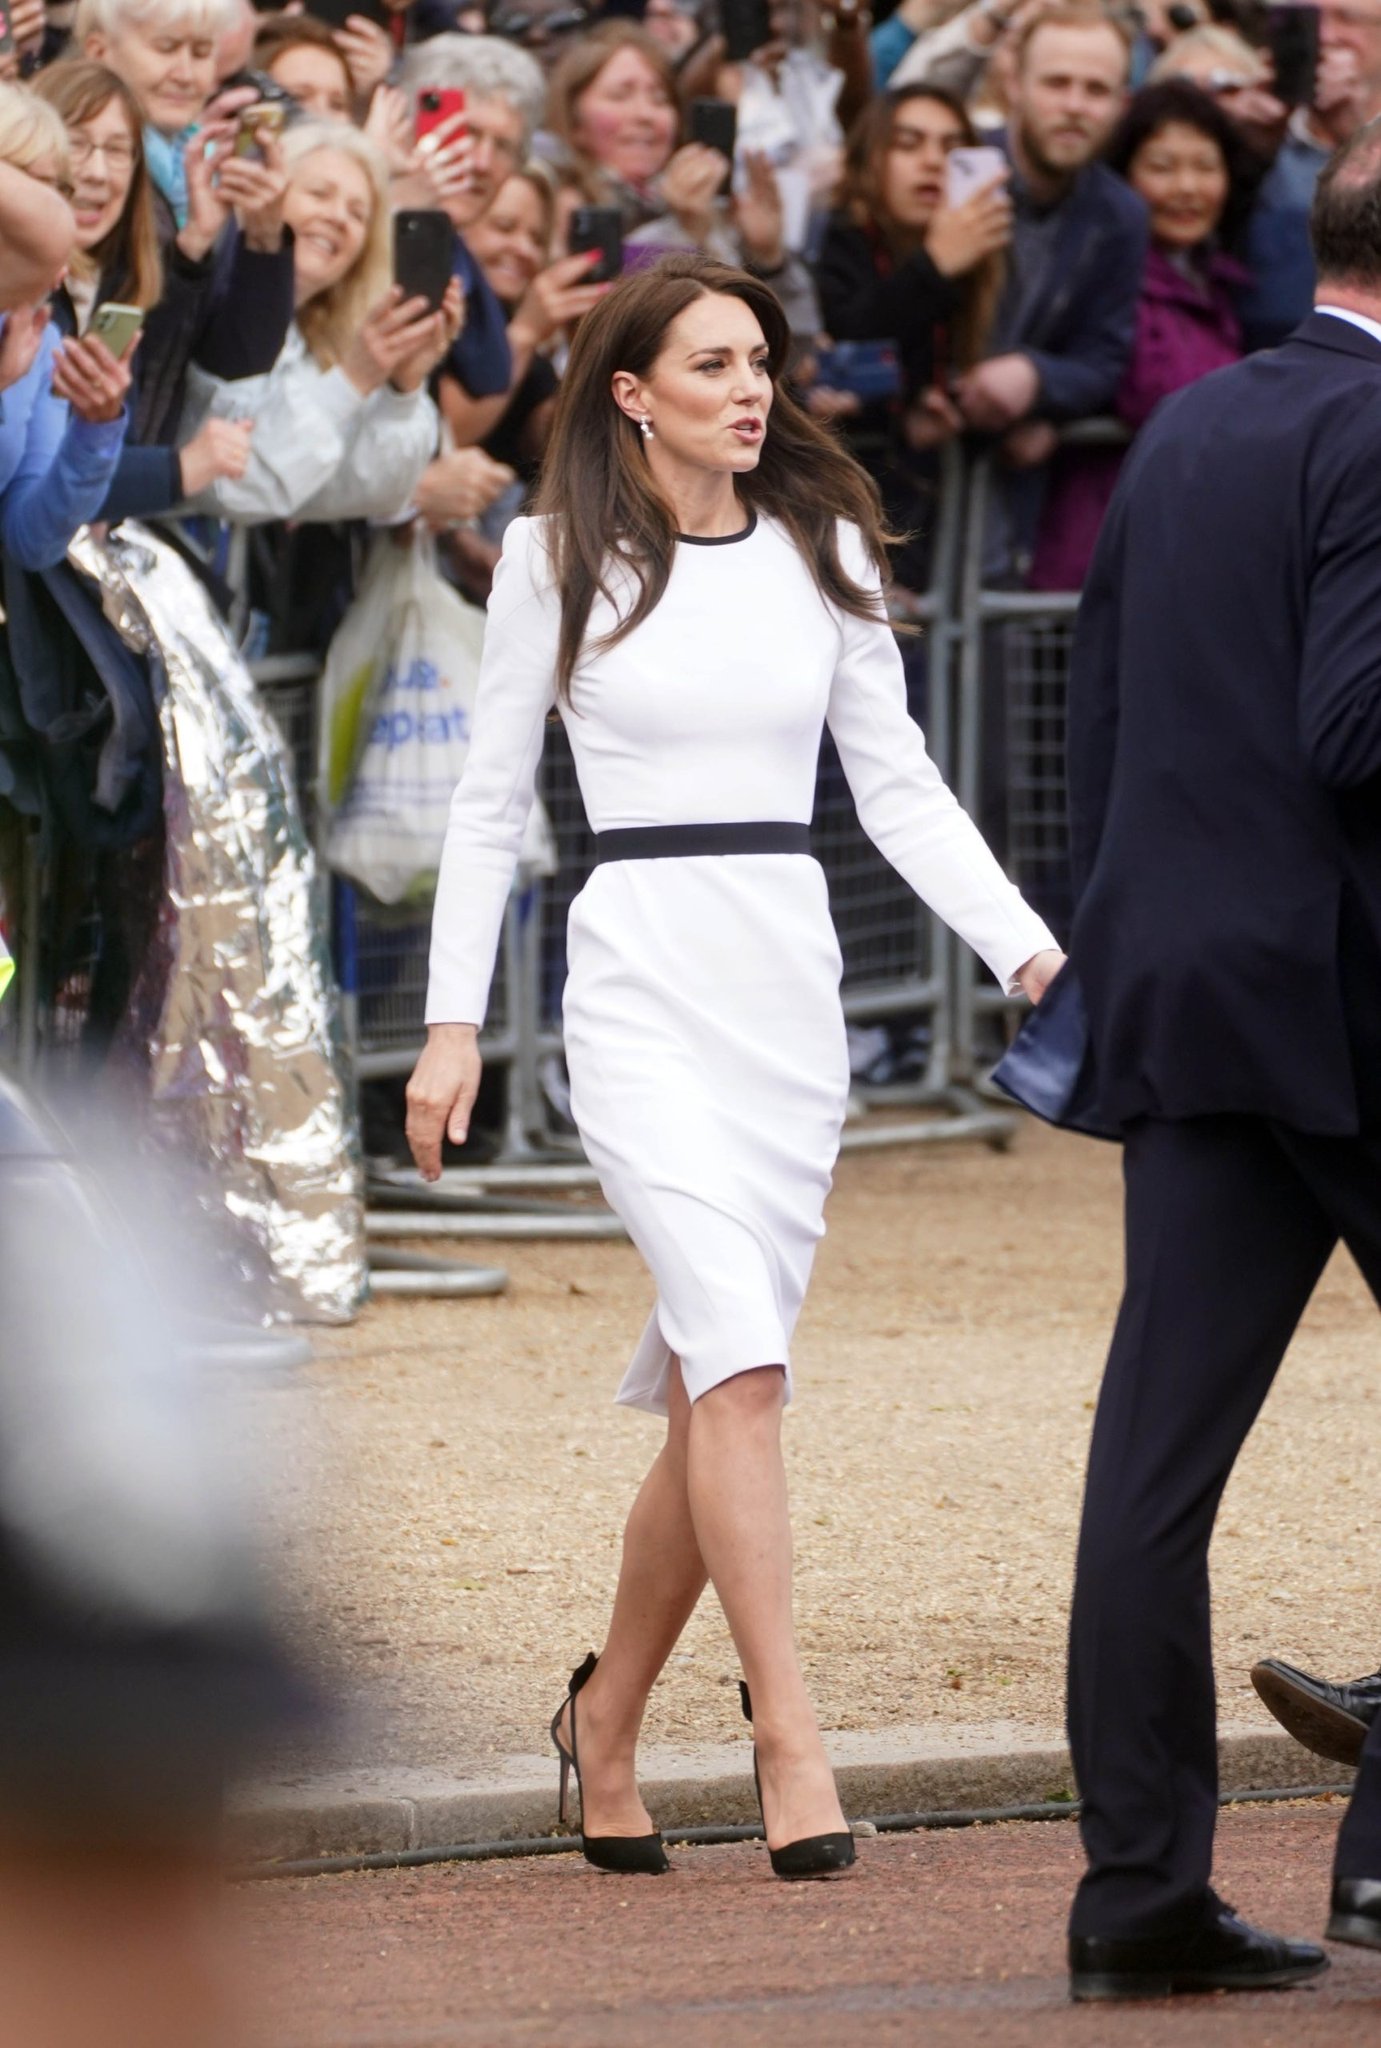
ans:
(700, 596)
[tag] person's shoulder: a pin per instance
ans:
(1102, 188)
(525, 570)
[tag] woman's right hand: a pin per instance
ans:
(556, 297)
(690, 185)
(391, 333)
(441, 1093)
(959, 237)
(219, 448)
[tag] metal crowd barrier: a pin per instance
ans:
(1013, 675)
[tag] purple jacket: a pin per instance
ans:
(1184, 329)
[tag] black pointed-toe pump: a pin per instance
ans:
(813, 1855)
(628, 1854)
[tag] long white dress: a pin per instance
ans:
(703, 1026)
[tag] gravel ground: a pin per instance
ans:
(460, 1474)
(950, 1940)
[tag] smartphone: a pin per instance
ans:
(968, 170)
(252, 124)
(424, 246)
(335, 13)
(435, 105)
(598, 227)
(116, 326)
(870, 369)
(747, 25)
(1292, 35)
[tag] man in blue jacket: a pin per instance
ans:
(1225, 804)
(1066, 322)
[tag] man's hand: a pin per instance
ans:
(1038, 973)
(441, 1093)
(995, 395)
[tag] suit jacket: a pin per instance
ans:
(1225, 749)
(1078, 330)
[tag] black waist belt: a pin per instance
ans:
(667, 842)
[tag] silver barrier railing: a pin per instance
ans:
(1013, 670)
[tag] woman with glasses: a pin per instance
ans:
(117, 259)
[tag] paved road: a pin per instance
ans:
(936, 1939)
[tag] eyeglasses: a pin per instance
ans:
(520, 26)
(119, 156)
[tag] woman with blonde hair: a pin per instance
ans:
(342, 425)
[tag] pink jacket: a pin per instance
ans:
(1185, 328)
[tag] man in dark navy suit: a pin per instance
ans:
(1225, 786)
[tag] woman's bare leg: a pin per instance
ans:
(661, 1577)
(738, 1509)
(715, 1498)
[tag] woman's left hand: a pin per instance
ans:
(368, 52)
(757, 212)
(1038, 973)
(441, 331)
(92, 381)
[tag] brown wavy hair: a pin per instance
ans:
(605, 513)
(128, 260)
(869, 140)
(580, 65)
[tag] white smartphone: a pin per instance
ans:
(968, 170)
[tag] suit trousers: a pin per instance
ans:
(1230, 1221)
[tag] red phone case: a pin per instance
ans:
(436, 104)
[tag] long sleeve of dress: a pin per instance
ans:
(64, 472)
(494, 796)
(904, 804)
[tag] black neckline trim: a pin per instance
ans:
(721, 540)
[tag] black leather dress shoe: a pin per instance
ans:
(1225, 1954)
(1356, 1915)
(1332, 1720)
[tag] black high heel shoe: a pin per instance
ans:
(813, 1855)
(628, 1854)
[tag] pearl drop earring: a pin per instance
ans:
(645, 426)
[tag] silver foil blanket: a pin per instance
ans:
(243, 1046)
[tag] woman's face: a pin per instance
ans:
(709, 392)
(1180, 173)
(913, 167)
(317, 80)
(509, 241)
(625, 118)
(170, 71)
(329, 207)
(104, 150)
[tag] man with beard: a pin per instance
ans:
(1065, 324)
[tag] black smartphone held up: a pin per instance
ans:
(335, 13)
(424, 245)
(598, 227)
(747, 25)
(1293, 36)
(715, 124)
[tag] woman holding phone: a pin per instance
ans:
(342, 425)
(900, 263)
(696, 618)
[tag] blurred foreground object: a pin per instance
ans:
(139, 1669)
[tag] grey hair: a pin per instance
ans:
(212, 18)
(487, 66)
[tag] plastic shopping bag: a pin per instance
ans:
(396, 722)
(6, 967)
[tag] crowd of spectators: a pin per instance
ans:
(986, 222)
